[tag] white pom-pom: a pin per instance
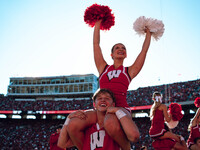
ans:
(172, 124)
(139, 25)
(155, 26)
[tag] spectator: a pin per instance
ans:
(54, 139)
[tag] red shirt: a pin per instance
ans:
(164, 144)
(117, 80)
(53, 142)
(97, 139)
(194, 133)
(157, 124)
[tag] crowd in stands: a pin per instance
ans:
(176, 92)
(17, 134)
(44, 105)
(26, 134)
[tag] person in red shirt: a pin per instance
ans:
(194, 128)
(116, 78)
(169, 144)
(54, 139)
(96, 137)
(158, 116)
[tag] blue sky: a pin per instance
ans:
(50, 38)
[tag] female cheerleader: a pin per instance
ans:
(158, 116)
(194, 128)
(116, 78)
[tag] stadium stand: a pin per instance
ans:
(176, 92)
(17, 134)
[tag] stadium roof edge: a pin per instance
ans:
(49, 77)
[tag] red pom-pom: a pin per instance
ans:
(175, 110)
(197, 102)
(99, 12)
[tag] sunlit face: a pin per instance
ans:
(103, 101)
(119, 51)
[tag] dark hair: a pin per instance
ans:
(59, 126)
(114, 46)
(196, 139)
(143, 147)
(103, 91)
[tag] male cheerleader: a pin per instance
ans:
(96, 137)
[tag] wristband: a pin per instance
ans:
(66, 121)
(120, 114)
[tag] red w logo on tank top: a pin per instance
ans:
(113, 74)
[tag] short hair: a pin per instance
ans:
(196, 139)
(103, 91)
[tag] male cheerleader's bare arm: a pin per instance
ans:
(129, 127)
(76, 127)
(98, 56)
(64, 140)
(135, 68)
